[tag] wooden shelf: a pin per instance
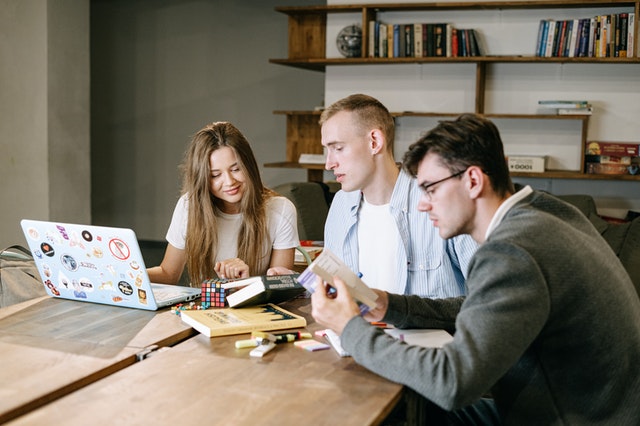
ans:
(320, 64)
(307, 50)
(562, 174)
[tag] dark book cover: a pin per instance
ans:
(408, 40)
(440, 40)
(266, 289)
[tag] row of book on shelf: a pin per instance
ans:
(605, 158)
(600, 36)
(421, 40)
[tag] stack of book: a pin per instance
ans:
(567, 107)
(612, 158)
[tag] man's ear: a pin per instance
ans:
(476, 181)
(376, 141)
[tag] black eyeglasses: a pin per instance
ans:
(429, 189)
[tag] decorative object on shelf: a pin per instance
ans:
(349, 41)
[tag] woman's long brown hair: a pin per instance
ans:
(202, 228)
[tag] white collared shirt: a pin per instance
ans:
(505, 207)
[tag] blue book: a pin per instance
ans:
(541, 47)
(396, 40)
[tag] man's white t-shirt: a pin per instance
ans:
(377, 245)
(282, 227)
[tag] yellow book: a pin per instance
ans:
(228, 321)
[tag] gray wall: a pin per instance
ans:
(44, 113)
(160, 71)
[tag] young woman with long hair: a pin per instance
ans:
(226, 223)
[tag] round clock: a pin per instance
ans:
(349, 41)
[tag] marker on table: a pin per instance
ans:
(282, 337)
(248, 343)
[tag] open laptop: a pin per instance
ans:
(97, 264)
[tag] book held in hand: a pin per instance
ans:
(228, 321)
(326, 266)
(263, 289)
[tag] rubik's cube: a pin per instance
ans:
(214, 294)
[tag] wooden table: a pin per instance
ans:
(208, 381)
(52, 347)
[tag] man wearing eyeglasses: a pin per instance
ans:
(551, 322)
(373, 223)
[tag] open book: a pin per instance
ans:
(327, 265)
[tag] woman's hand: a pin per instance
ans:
(279, 270)
(232, 269)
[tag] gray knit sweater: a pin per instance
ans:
(551, 326)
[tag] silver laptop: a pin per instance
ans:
(97, 264)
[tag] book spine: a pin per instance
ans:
(558, 48)
(425, 40)
(390, 41)
(608, 159)
(408, 40)
(372, 39)
(473, 43)
(417, 40)
(631, 35)
(464, 42)
(606, 36)
(583, 44)
(550, 35)
(396, 40)
(455, 43)
(541, 34)
(624, 27)
(575, 111)
(592, 37)
(382, 40)
(561, 104)
(197, 325)
(440, 40)
(576, 32)
(431, 40)
(376, 39)
(447, 41)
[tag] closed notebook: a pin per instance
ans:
(228, 321)
(264, 289)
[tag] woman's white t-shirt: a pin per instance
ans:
(282, 227)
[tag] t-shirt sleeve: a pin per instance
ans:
(283, 223)
(177, 232)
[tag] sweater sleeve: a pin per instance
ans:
(503, 313)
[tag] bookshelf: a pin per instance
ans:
(307, 50)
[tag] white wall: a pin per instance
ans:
(44, 113)
(613, 89)
(161, 70)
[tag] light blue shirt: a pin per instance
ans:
(427, 265)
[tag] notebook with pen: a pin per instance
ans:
(97, 264)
